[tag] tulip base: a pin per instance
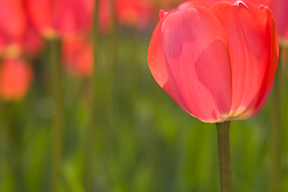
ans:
(224, 156)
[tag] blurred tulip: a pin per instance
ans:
(78, 56)
(29, 44)
(12, 19)
(105, 16)
(32, 42)
(205, 3)
(133, 12)
(17, 35)
(64, 18)
(168, 4)
(219, 63)
(12, 23)
(279, 8)
(181, 7)
(15, 79)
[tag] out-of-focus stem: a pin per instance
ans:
(90, 131)
(15, 138)
(109, 107)
(276, 130)
(57, 127)
(224, 156)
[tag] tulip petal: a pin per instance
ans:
(185, 5)
(61, 17)
(13, 21)
(40, 12)
(72, 16)
(248, 116)
(251, 33)
(162, 13)
(204, 3)
(160, 69)
(15, 79)
(279, 9)
(188, 57)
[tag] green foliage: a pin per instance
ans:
(143, 140)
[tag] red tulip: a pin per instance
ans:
(64, 18)
(259, 2)
(205, 3)
(16, 33)
(105, 16)
(209, 3)
(78, 56)
(12, 23)
(219, 63)
(15, 79)
(279, 10)
(31, 42)
(133, 12)
(278, 7)
(168, 3)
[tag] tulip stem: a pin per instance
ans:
(276, 130)
(224, 156)
(89, 178)
(58, 118)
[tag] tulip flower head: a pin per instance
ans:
(15, 79)
(78, 56)
(279, 11)
(204, 3)
(31, 43)
(209, 3)
(63, 18)
(105, 16)
(133, 12)
(279, 8)
(12, 24)
(217, 63)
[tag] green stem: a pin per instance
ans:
(276, 130)
(15, 142)
(224, 156)
(113, 45)
(108, 77)
(93, 117)
(58, 118)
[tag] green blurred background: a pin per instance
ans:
(142, 140)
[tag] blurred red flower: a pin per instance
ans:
(105, 15)
(205, 3)
(279, 10)
(219, 63)
(17, 35)
(78, 56)
(63, 18)
(12, 23)
(133, 12)
(167, 4)
(15, 79)
(31, 43)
